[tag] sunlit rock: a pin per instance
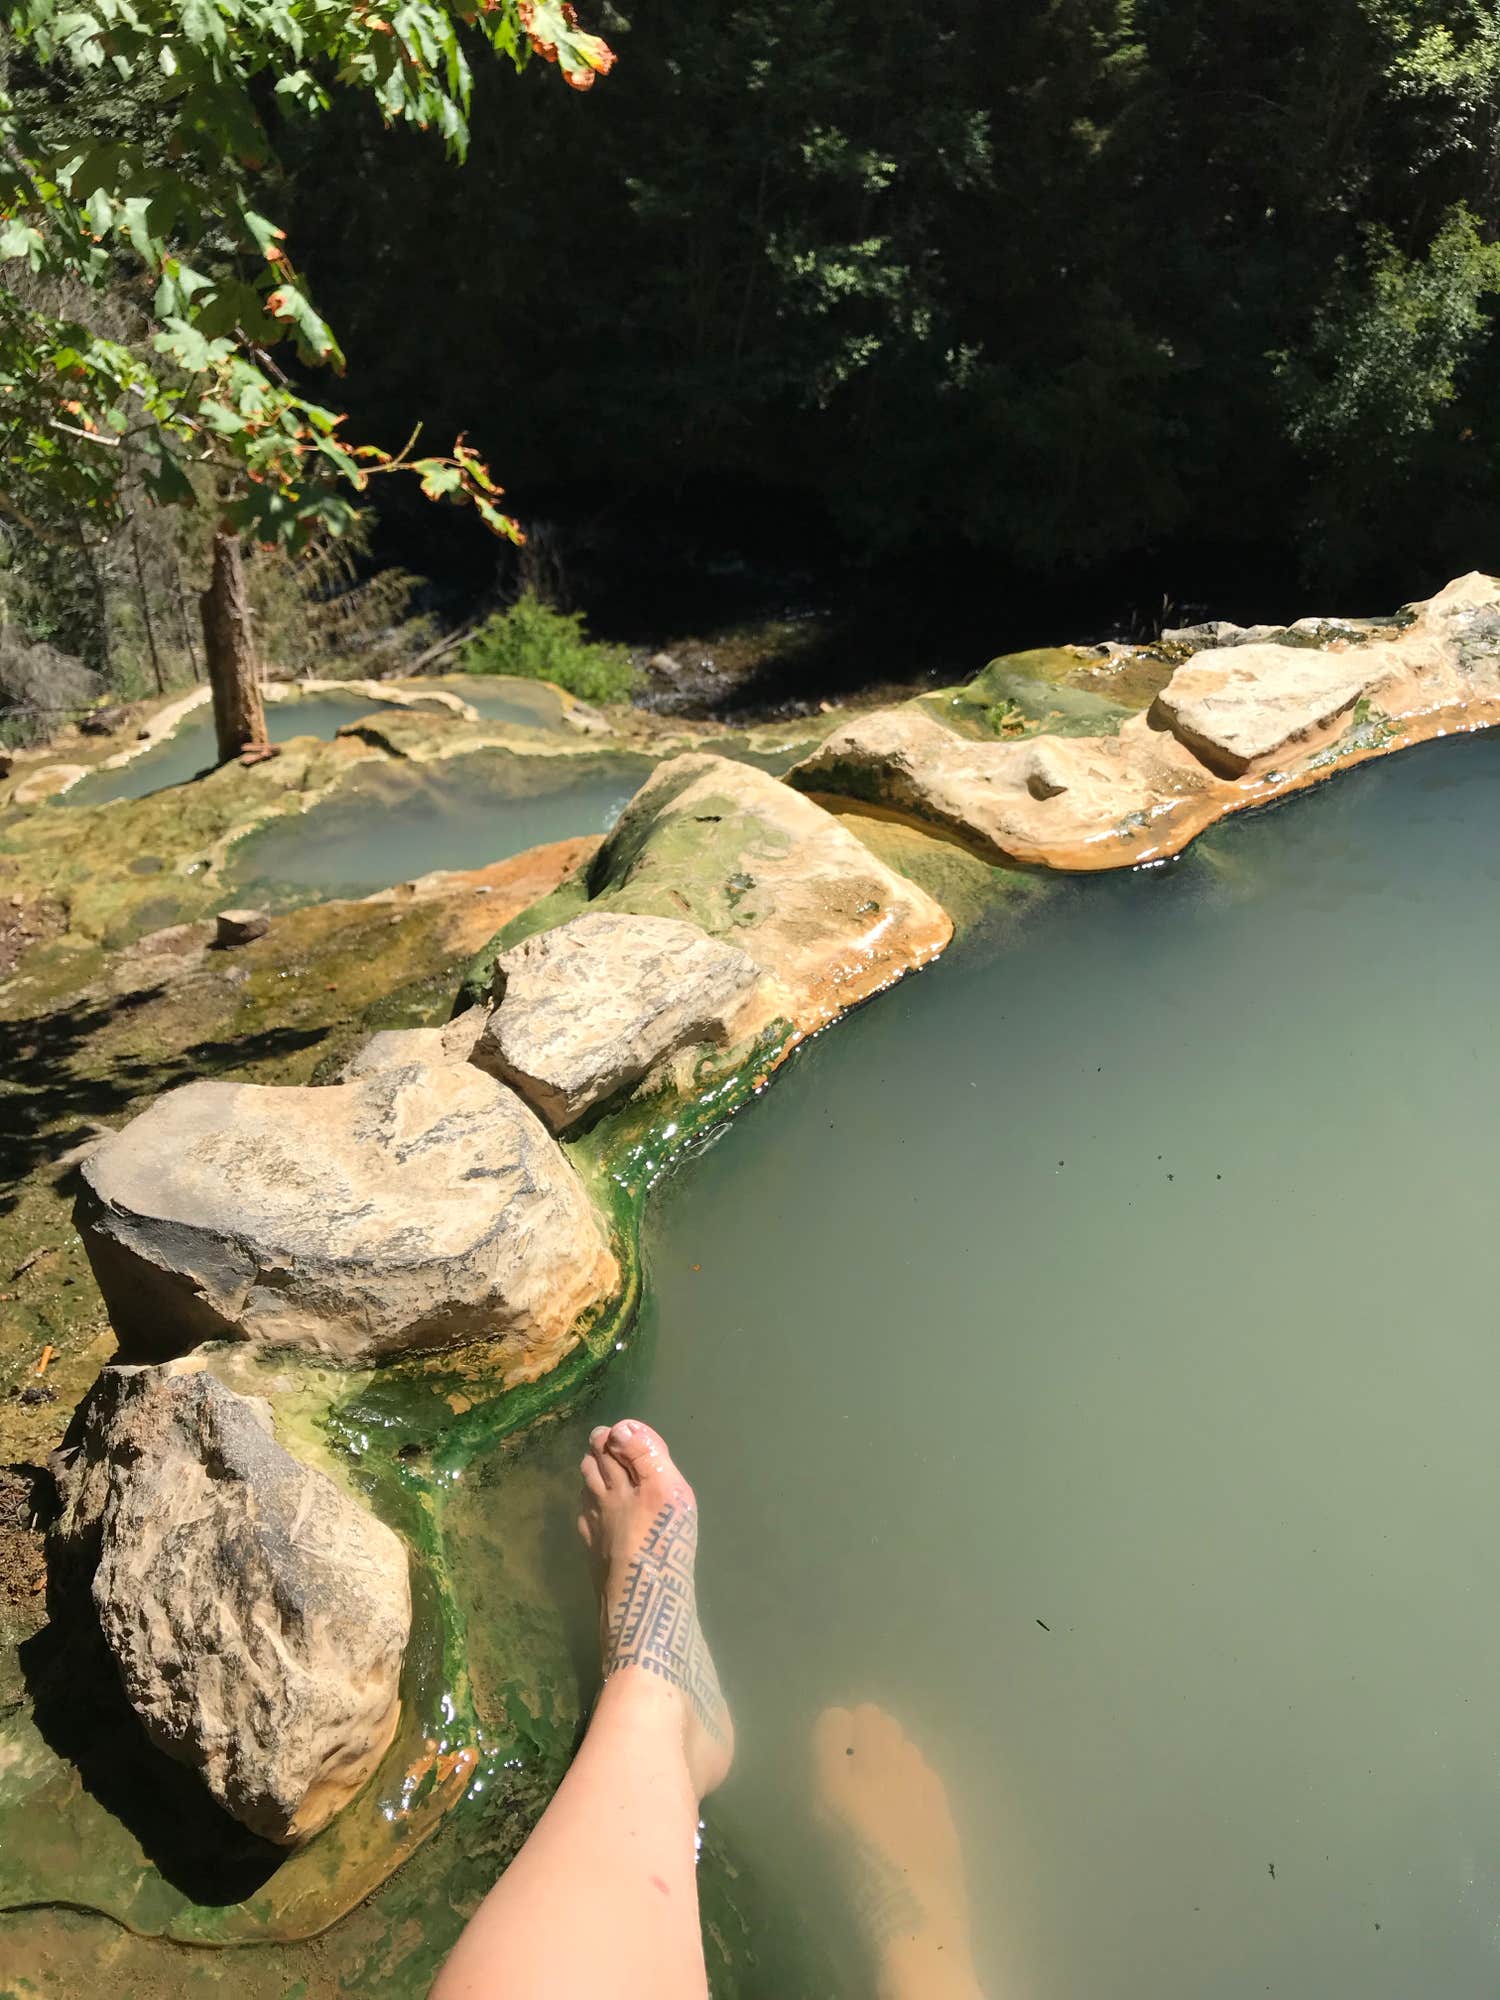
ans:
(416, 1207)
(397, 1048)
(583, 1012)
(1235, 726)
(745, 858)
(1237, 706)
(1050, 799)
(257, 1615)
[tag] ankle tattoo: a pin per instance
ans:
(655, 1623)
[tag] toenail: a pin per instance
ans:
(625, 1430)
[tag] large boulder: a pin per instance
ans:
(582, 1013)
(416, 1207)
(257, 1615)
(1239, 708)
(746, 859)
(1060, 801)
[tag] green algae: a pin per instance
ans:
(1027, 694)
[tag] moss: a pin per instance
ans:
(1027, 694)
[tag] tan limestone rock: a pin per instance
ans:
(583, 1012)
(256, 1613)
(416, 1207)
(747, 859)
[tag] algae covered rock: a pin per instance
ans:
(745, 858)
(416, 1207)
(583, 1012)
(257, 1615)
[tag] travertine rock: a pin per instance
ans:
(1060, 800)
(256, 1613)
(397, 1048)
(583, 1012)
(416, 1207)
(1236, 726)
(748, 860)
(1239, 706)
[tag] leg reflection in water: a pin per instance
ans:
(889, 1814)
(603, 1898)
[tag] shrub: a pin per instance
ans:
(540, 644)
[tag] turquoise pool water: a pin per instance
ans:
(390, 822)
(1088, 1352)
(189, 750)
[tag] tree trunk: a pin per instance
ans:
(228, 641)
(140, 584)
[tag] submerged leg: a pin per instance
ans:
(900, 1850)
(603, 1898)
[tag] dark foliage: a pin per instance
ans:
(1061, 292)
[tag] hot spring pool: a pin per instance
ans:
(1087, 1352)
(1130, 1274)
(390, 822)
(189, 750)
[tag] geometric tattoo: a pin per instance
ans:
(655, 1624)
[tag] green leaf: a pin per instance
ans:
(314, 335)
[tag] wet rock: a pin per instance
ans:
(582, 1013)
(257, 1615)
(1239, 708)
(235, 927)
(414, 1208)
(747, 859)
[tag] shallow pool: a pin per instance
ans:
(1089, 1352)
(190, 749)
(392, 821)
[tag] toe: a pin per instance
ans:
(637, 1448)
(586, 1531)
(594, 1478)
(608, 1470)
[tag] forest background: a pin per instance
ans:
(964, 327)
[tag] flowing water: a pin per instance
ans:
(1088, 1352)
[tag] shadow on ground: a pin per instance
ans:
(54, 1095)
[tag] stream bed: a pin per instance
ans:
(1088, 1352)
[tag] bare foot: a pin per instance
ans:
(639, 1522)
(897, 1835)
